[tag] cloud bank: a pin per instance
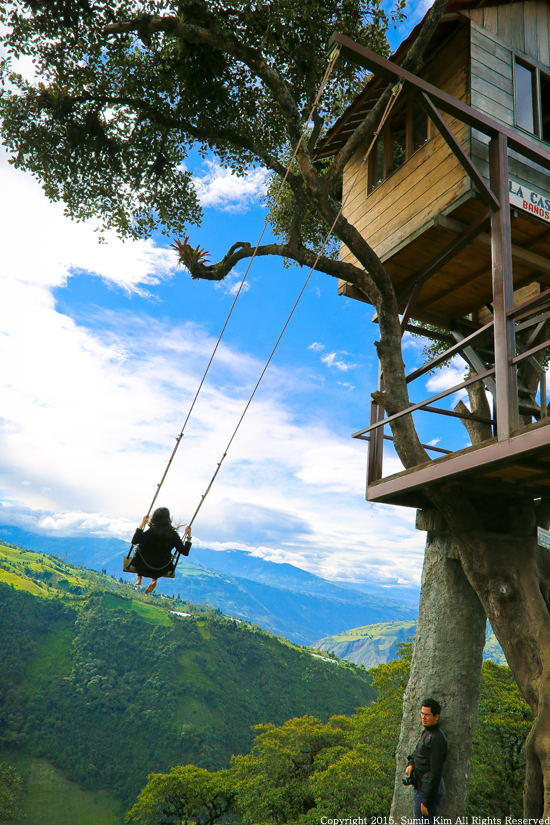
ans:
(91, 409)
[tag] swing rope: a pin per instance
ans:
(391, 102)
(333, 58)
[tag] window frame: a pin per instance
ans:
(388, 144)
(538, 69)
(535, 70)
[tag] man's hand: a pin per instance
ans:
(408, 770)
(423, 809)
(143, 522)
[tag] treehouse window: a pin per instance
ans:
(398, 136)
(377, 164)
(532, 99)
(401, 136)
(525, 97)
(545, 106)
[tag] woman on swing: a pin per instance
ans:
(153, 556)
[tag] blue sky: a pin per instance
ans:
(103, 346)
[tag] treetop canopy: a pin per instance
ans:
(124, 91)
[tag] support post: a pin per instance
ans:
(507, 415)
(376, 443)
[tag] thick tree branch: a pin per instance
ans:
(296, 252)
(224, 41)
(225, 135)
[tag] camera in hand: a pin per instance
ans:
(408, 780)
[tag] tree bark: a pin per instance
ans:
(512, 578)
(446, 664)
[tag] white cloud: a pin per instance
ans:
(447, 377)
(223, 189)
(316, 347)
(331, 360)
(41, 246)
(413, 342)
(90, 413)
(231, 284)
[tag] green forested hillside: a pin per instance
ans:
(306, 773)
(107, 686)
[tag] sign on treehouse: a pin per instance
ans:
(529, 200)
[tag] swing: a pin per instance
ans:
(128, 565)
(128, 562)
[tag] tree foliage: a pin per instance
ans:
(109, 697)
(113, 113)
(10, 785)
(186, 794)
(305, 770)
(498, 758)
(302, 770)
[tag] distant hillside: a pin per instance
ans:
(279, 597)
(377, 643)
(101, 685)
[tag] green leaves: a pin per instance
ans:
(186, 794)
(10, 785)
(122, 95)
(498, 756)
(305, 770)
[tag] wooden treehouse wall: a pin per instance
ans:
(523, 25)
(498, 34)
(409, 200)
(477, 67)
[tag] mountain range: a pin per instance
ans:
(278, 597)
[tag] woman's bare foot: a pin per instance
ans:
(151, 586)
(139, 581)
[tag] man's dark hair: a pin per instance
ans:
(433, 705)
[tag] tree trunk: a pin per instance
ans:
(497, 546)
(512, 578)
(446, 664)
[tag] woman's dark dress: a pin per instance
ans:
(154, 551)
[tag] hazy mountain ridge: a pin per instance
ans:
(279, 597)
(375, 644)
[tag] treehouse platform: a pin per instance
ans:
(454, 198)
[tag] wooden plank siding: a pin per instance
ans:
(401, 219)
(492, 82)
(530, 19)
(523, 25)
(425, 184)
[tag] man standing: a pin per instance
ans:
(425, 766)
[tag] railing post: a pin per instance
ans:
(376, 444)
(507, 413)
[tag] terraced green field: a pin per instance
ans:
(48, 798)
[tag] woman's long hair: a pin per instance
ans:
(161, 521)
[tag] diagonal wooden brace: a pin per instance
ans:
(485, 192)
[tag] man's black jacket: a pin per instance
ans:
(428, 760)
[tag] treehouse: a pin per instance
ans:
(455, 199)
